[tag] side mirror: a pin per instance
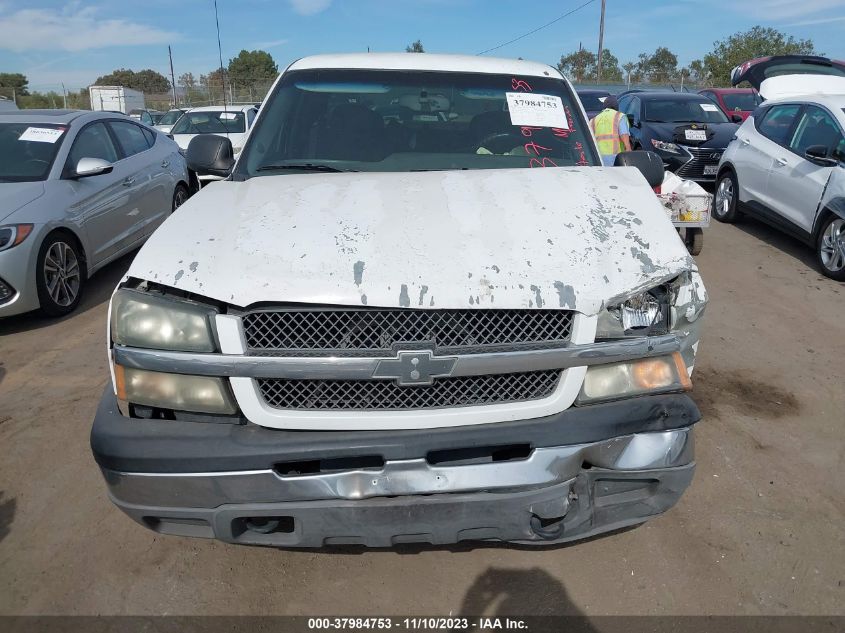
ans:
(737, 118)
(649, 164)
(211, 155)
(632, 121)
(817, 154)
(87, 167)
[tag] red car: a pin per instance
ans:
(739, 102)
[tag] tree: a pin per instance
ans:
(662, 66)
(629, 68)
(16, 82)
(610, 71)
(697, 72)
(578, 66)
(187, 81)
(252, 66)
(147, 80)
(744, 46)
(416, 47)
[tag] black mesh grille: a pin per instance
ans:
(700, 158)
(380, 395)
(374, 332)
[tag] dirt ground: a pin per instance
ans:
(761, 530)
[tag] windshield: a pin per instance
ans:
(169, 118)
(671, 110)
(593, 101)
(742, 102)
(210, 122)
(378, 120)
(27, 150)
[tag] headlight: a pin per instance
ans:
(13, 234)
(202, 394)
(644, 376)
(666, 147)
(643, 314)
(143, 320)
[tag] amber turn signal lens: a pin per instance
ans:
(120, 382)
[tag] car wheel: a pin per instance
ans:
(830, 248)
(60, 274)
(180, 195)
(726, 199)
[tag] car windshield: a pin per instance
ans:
(381, 120)
(593, 101)
(742, 101)
(27, 150)
(170, 117)
(669, 110)
(210, 122)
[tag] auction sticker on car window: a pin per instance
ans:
(529, 108)
(709, 107)
(41, 134)
(228, 116)
(695, 135)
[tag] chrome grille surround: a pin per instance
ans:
(701, 156)
(381, 395)
(380, 332)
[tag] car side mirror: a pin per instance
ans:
(817, 154)
(632, 121)
(211, 155)
(649, 164)
(737, 118)
(87, 167)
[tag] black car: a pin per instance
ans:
(592, 100)
(688, 131)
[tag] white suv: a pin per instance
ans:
(786, 165)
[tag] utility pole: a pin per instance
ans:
(64, 94)
(601, 42)
(172, 76)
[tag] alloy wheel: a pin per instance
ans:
(62, 274)
(179, 198)
(724, 196)
(832, 247)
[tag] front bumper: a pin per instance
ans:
(17, 271)
(569, 476)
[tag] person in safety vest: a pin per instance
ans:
(612, 132)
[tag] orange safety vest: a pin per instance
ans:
(605, 127)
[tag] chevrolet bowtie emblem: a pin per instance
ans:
(414, 368)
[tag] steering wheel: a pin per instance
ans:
(502, 142)
(39, 161)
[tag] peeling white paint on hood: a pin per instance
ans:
(517, 238)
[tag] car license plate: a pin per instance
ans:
(710, 170)
(695, 135)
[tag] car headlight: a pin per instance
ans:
(13, 234)
(143, 320)
(643, 314)
(201, 394)
(635, 378)
(672, 148)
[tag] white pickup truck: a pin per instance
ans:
(416, 310)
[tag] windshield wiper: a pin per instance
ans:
(303, 167)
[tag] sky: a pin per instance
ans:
(74, 41)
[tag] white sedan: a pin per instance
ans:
(232, 121)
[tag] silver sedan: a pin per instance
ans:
(77, 191)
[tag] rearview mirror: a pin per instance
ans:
(649, 164)
(211, 155)
(737, 118)
(817, 154)
(87, 167)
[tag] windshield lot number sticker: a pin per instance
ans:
(695, 135)
(709, 107)
(41, 134)
(536, 110)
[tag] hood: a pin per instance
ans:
(723, 133)
(518, 238)
(756, 71)
(14, 195)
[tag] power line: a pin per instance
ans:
(539, 28)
